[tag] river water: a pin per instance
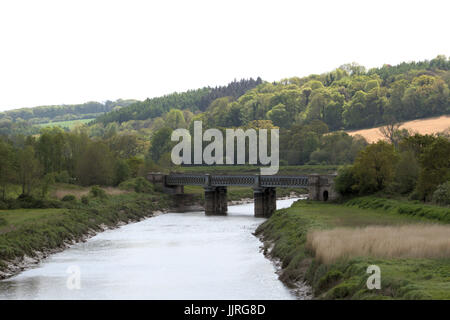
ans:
(170, 256)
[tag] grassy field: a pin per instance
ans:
(65, 124)
(345, 277)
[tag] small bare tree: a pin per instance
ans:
(390, 130)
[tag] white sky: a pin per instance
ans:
(54, 52)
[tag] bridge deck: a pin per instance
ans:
(241, 180)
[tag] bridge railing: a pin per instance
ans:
(237, 180)
(186, 179)
(284, 181)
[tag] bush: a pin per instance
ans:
(345, 182)
(48, 203)
(97, 192)
(3, 222)
(84, 200)
(29, 202)
(441, 195)
(143, 186)
(62, 177)
(69, 197)
(139, 185)
(3, 205)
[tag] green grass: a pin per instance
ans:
(416, 208)
(65, 124)
(23, 217)
(346, 279)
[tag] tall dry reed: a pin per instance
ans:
(408, 241)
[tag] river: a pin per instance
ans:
(170, 256)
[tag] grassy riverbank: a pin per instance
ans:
(344, 277)
(27, 232)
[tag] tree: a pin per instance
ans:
(279, 116)
(175, 119)
(28, 169)
(46, 182)
(435, 167)
(6, 166)
(50, 149)
(124, 145)
(375, 167)
(95, 166)
(135, 163)
(442, 194)
(389, 131)
(122, 172)
(160, 143)
(345, 182)
(406, 173)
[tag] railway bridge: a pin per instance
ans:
(264, 188)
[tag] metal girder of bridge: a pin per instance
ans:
(321, 187)
(238, 180)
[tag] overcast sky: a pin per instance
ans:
(55, 52)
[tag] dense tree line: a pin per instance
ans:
(8, 128)
(418, 166)
(346, 98)
(44, 114)
(68, 157)
(311, 143)
(192, 100)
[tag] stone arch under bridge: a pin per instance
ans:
(321, 187)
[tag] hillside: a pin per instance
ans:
(422, 126)
(193, 100)
(347, 98)
(58, 113)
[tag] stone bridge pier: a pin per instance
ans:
(265, 201)
(216, 201)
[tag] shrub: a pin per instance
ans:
(3, 205)
(143, 186)
(28, 202)
(62, 177)
(68, 197)
(97, 192)
(345, 182)
(3, 222)
(139, 185)
(49, 203)
(441, 195)
(84, 200)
